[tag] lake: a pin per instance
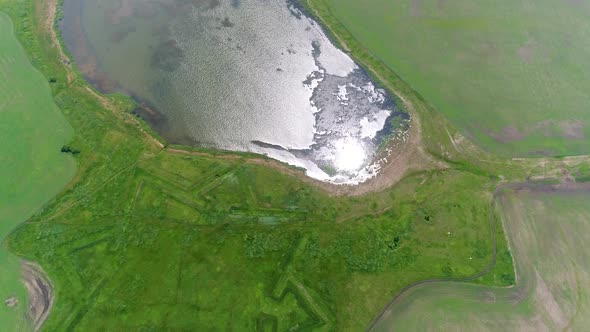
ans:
(255, 75)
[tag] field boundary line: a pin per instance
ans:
(485, 271)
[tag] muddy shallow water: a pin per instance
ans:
(251, 75)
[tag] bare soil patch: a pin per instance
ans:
(40, 293)
(547, 301)
(573, 129)
(48, 10)
(531, 51)
(11, 302)
(509, 134)
(569, 129)
(416, 8)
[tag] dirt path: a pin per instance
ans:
(40, 293)
(49, 12)
(106, 103)
(533, 285)
(482, 273)
(49, 7)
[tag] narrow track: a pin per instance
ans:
(480, 274)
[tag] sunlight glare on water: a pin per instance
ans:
(350, 155)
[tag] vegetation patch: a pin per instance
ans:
(513, 85)
(149, 237)
(546, 225)
(32, 170)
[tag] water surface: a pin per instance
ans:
(251, 75)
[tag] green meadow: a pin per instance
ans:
(547, 228)
(511, 75)
(32, 169)
(180, 242)
(145, 237)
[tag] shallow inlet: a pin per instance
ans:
(254, 75)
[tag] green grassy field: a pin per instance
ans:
(548, 230)
(509, 74)
(145, 238)
(32, 169)
(231, 243)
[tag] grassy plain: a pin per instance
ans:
(32, 169)
(148, 238)
(548, 227)
(509, 74)
(232, 243)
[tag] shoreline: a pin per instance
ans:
(404, 158)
